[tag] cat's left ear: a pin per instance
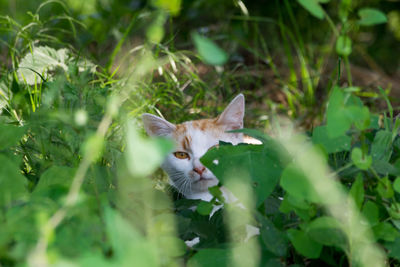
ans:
(233, 114)
(156, 126)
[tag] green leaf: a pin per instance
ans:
(210, 257)
(326, 231)
(204, 208)
(396, 185)
(295, 182)
(274, 239)
(371, 212)
(360, 116)
(172, 6)
(12, 182)
(343, 46)
(209, 51)
(337, 120)
(371, 16)
(10, 135)
(381, 148)
(313, 7)
(362, 162)
(262, 162)
(56, 175)
(304, 244)
(385, 231)
(331, 144)
(357, 191)
(385, 188)
(394, 249)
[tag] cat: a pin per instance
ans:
(192, 140)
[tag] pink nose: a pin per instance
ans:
(199, 170)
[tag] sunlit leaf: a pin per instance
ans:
(209, 51)
(173, 6)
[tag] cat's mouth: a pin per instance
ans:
(203, 179)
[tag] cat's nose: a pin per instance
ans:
(199, 170)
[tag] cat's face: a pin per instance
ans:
(192, 140)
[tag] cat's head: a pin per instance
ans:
(192, 140)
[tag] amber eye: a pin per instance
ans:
(181, 155)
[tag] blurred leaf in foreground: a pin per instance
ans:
(371, 16)
(209, 51)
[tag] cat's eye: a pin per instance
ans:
(181, 155)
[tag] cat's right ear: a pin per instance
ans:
(156, 126)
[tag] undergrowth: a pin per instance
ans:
(80, 184)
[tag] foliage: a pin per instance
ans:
(79, 184)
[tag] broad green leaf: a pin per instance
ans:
(396, 185)
(204, 208)
(331, 144)
(371, 212)
(371, 16)
(10, 135)
(385, 231)
(326, 231)
(381, 148)
(357, 191)
(363, 162)
(313, 7)
(304, 210)
(337, 120)
(360, 116)
(295, 182)
(210, 257)
(13, 185)
(385, 188)
(343, 46)
(274, 239)
(130, 248)
(56, 175)
(209, 51)
(261, 162)
(394, 248)
(304, 244)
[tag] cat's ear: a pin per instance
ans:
(156, 126)
(233, 114)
